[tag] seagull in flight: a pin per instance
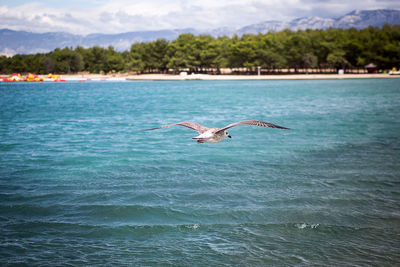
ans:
(215, 135)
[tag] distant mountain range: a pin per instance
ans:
(355, 19)
(21, 42)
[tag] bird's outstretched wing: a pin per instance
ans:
(253, 122)
(192, 125)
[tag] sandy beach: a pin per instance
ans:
(170, 77)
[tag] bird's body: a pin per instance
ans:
(211, 136)
(215, 135)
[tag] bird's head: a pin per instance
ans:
(226, 134)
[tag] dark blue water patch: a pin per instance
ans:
(295, 243)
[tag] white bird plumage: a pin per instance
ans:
(215, 135)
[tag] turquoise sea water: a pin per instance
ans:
(81, 184)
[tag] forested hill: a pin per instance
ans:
(22, 42)
(316, 49)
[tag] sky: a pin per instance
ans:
(117, 16)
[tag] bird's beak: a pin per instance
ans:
(229, 136)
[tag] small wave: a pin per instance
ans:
(305, 225)
(192, 226)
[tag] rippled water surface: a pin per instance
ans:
(82, 184)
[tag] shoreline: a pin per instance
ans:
(207, 77)
(169, 77)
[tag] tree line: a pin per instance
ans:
(298, 50)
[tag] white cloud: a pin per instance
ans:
(116, 16)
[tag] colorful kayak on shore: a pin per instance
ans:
(16, 77)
